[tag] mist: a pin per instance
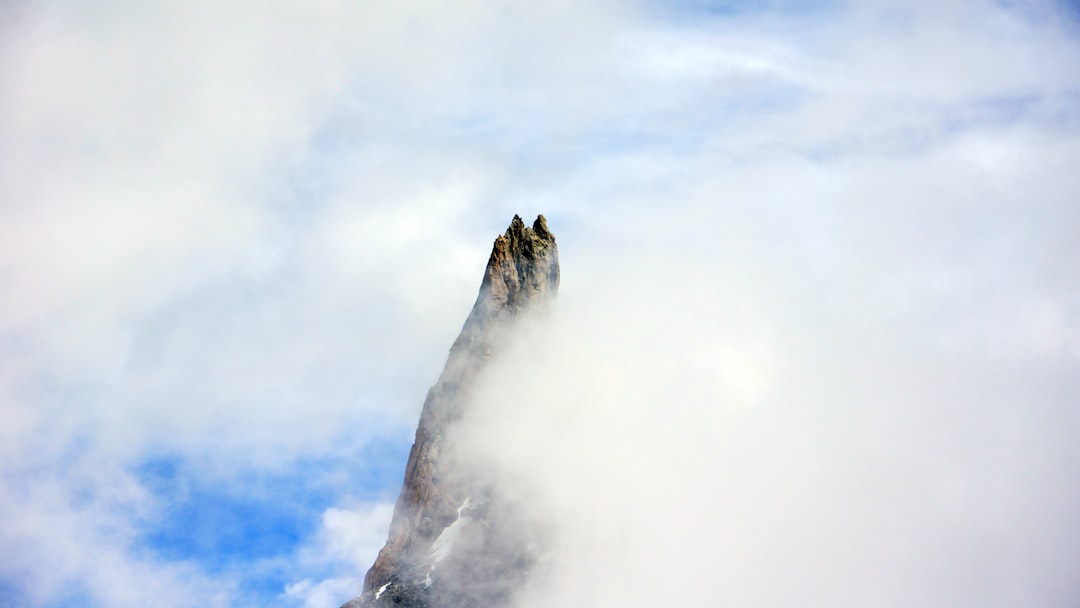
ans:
(817, 341)
(726, 414)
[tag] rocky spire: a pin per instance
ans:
(421, 565)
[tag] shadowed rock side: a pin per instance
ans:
(452, 542)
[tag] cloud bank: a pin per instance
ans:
(818, 291)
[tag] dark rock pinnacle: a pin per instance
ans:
(449, 546)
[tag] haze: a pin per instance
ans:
(818, 337)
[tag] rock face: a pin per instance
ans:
(453, 543)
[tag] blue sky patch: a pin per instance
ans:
(219, 523)
(224, 526)
(734, 8)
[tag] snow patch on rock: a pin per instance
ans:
(445, 542)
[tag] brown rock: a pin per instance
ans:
(522, 274)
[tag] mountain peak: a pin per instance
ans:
(541, 229)
(421, 566)
(523, 267)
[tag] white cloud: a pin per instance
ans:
(346, 545)
(63, 547)
(324, 593)
(241, 234)
(889, 453)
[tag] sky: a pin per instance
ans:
(818, 337)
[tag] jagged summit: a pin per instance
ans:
(451, 544)
(524, 265)
(522, 272)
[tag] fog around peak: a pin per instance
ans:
(817, 335)
(734, 452)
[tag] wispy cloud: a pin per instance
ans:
(238, 239)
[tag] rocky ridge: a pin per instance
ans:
(452, 542)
